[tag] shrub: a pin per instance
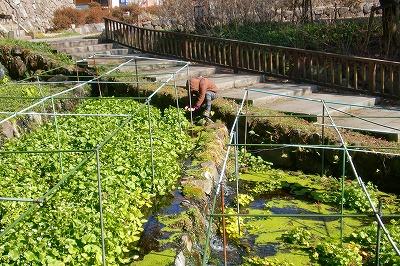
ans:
(95, 14)
(133, 9)
(65, 16)
(154, 10)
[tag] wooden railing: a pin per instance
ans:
(357, 74)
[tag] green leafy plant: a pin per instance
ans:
(367, 238)
(257, 261)
(244, 200)
(354, 197)
(65, 228)
(331, 254)
(4, 80)
(234, 227)
(264, 187)
(249, 162)
(299, 236)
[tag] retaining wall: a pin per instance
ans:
(33, 15)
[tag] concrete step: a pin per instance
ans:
(78, 42)
(87, 48)
(231, 81)
(312, 104)
(163, 74)
(355, 112)
(88, 54)
(79, 48)
(377, 121)
(224, 81)
(261, 94)
(152, 67)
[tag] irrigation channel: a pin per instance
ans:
(41, 100)
(284, 212)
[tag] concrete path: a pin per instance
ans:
(299, 99)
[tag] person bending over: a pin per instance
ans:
(200, 89)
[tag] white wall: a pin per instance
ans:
(114, 3)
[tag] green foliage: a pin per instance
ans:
(65, 228)
(272, 183)
(298, 236)
(24, 95)
(250, 162)
(265, 187)
(243, 199)
(232, 225)
(335, 37)
(354, 197)
(331, 254)
(41, 48)
(257, 261)
(4, 80)
(367, 237)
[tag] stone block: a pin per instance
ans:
(9, 130)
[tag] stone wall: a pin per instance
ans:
(33, 15)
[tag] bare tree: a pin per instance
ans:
(187, 15)
(390, 22)
(178, 14)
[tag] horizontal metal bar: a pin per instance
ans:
(303, 215)
(21, 199)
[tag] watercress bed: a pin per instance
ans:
(65, 228)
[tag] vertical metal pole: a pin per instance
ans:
(223, 222)
(342, 201)
(151, 145)
(39, 86)
(190, 101)
(137, 78)
(41, 93)
(77, 71)
(237, 176)
(97, 75)
(103, 246)
(378, 237)
(323, 140)
(177, 104)
(58, 136)
(245, 122)
(189, 94)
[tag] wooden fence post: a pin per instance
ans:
(185, 47)
(235, 57)
(372, 77)
(296, 67)
(142, 40)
